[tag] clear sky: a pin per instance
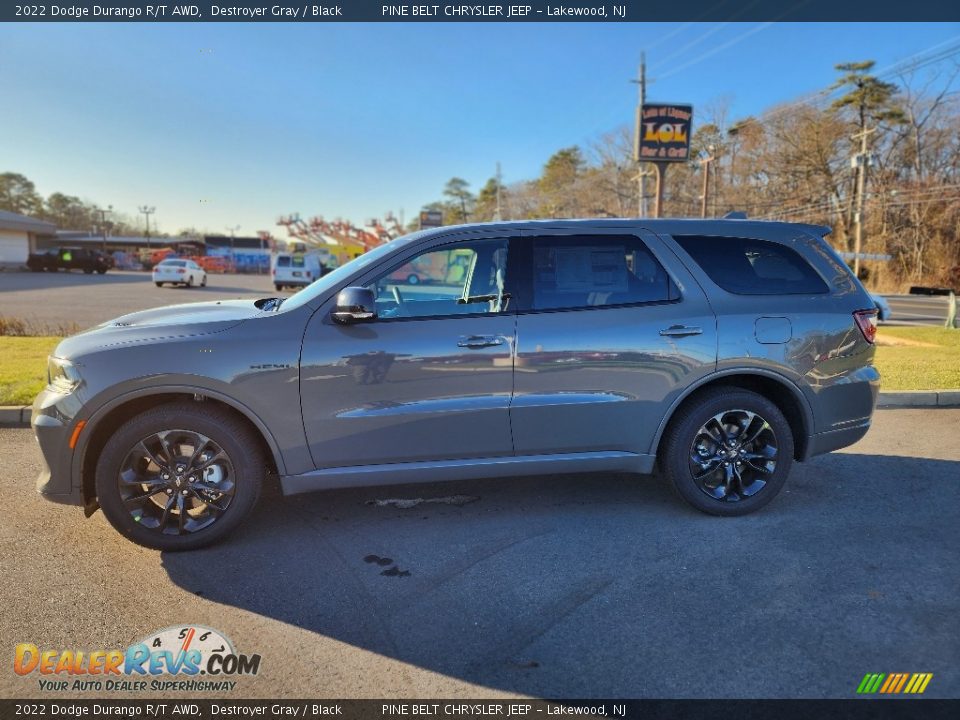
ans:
(234, 124)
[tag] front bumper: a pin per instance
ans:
(53, 423)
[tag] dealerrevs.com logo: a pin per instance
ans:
(198, 657)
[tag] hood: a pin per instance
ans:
(174, 321)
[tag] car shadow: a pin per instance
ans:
(609, 586)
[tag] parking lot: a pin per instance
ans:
(565, 586)
(52, 298)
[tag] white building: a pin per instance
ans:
(18, 237)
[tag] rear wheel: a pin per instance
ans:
(88, 271)
(189, 282)
(278, 286)
(203, 282)
(179, 476)
(159, 284)
(729, 452)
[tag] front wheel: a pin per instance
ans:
(728, 452)
(189, 282)
(203, 282)
(179, 476)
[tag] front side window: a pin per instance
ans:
(746, 266)
(456, 279)
(596, 271)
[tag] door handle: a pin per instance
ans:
(479, 341)
(681, 331)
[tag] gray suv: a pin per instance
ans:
(720, 351)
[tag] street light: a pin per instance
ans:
(147, 211)
(233, 258)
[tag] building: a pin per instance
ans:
(18, 237)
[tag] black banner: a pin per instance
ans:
(522, 11)
(875, 709)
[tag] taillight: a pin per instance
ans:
(867, 322)
(181, 271)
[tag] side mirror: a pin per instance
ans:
(355, 304)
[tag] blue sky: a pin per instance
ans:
(234, 124)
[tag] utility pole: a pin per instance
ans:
(233, 258)
(103, 224)
(497, 215)
(860, 161)
(147, 211)
(641, 81)
(705, 167)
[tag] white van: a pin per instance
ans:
(296, 269)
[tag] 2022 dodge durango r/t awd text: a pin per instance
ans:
(720, 350)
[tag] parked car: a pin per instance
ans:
(177, 271)
(70, 258)
(296, 269)
(722, 351)
(883, 307)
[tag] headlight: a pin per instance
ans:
(62, 375)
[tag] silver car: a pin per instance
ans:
(719, 351)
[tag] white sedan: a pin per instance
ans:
(179, 272)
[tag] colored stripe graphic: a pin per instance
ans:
(894, 683)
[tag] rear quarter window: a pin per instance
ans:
(747, 266)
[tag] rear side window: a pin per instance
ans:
(752, 267)
(297, 261)
(596, 271)
(283, 261)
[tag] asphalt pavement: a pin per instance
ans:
(87, 300)
(562, 586)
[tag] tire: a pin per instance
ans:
(88, 271)
(203, 283)
(683, 441)
(243, 463)
(413, 279)
(159, 284)
(189, 282)
(102, 271)
(278, 287)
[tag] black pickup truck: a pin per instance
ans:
(70, 258)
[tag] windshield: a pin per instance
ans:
(334, 278)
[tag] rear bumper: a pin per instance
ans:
(835, 439)
(846, 406)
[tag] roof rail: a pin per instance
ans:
(735, 215)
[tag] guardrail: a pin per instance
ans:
(924, 309)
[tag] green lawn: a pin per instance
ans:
(23, 362)
(919, 367)
(23, 367)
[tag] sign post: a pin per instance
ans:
(664, 138)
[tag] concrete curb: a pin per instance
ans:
(920, 398)
(16, 416)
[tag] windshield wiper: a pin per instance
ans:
(482, 298)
